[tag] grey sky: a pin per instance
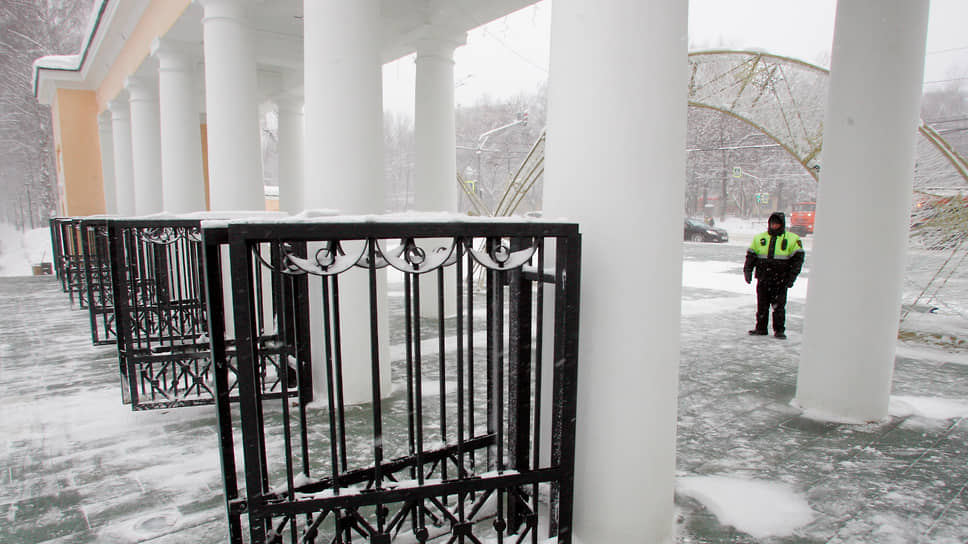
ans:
(510, 55)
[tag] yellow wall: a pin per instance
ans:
(76, 141)
(157, 19)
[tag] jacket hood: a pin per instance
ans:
(777, 217)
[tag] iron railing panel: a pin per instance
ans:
(456, 448)
(97, 274)
(160, 307)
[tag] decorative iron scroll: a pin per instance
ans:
(170, 235)
(332, 258)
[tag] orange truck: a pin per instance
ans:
(801, 220)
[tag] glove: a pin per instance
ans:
(790, 283)
(749, 277)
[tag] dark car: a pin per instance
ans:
(696, 230)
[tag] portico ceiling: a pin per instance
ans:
(277, 27)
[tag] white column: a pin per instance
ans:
(181, 141)
(344, 108)
(617, 112)
(105, 137)
(123, 167)
(145, 144)
(344, 169)
(434, 131)
(234, 151)
(291, 144)
(436, 148)
(863, 209)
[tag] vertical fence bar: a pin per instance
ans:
(88, 250)
(375, 381)
(418, 393)
(461, 469)
(442, 365)
(330, 386)
(212, 272)
(408, 280)
(249, 398)
(538, 364)
(519, 378)
(567, 299)
(470, 350)
(338, 343)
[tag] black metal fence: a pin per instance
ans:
(68, 254)
(97, 278)
(160, 308)
(474, 441)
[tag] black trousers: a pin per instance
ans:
(770, 294)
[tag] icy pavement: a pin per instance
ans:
(752, 469)
(77, 466)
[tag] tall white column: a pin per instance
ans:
(617, 109)
(181, 141)
(123, 165)
(291, 145)
(863, 209)
(234, 150)
(104, 130)
(344, 170)
(436, 147)
(145, 144)
(344, 108)
(434, 131)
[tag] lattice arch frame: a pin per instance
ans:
(785, 98)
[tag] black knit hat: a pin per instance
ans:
(777, 217)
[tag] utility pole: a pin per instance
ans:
(521, 119)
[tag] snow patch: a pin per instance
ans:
(20, 250)
(927, 407)
(728, 276)
(825, 417)
(756, 507)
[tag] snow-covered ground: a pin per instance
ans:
(723, 465)
(19, 251)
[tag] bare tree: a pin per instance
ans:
(30, 29)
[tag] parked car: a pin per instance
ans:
(695, 230)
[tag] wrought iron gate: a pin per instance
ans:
(475, 440)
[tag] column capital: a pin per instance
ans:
(120, 107)
(176, 55)
(435, 41)
(236, 10)
(141, 89)
(104, 120)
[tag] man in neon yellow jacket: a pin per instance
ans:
(777, 257)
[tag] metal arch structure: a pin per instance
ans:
(782, 97)
(785, 99)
